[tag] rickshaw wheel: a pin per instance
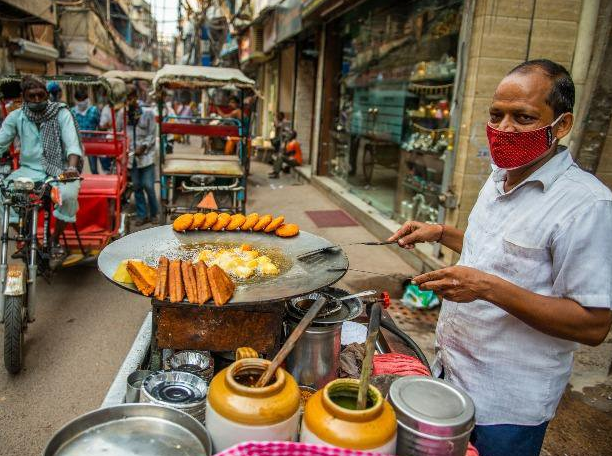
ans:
(14, 326)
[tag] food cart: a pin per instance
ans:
(198, 173)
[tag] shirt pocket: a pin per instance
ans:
(525, 259)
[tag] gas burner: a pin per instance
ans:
(333, 312)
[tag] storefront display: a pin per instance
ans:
(391, 136)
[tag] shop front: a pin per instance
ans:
(391, 134)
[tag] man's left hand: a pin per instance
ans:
(141, 150)
(455, 283)
(71, 173)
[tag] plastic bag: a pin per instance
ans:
(419, 299)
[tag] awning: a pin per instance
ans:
(34, 51)
(130, 76)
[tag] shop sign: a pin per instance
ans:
(269, 34)
(288, 19)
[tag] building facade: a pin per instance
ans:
(390, 99)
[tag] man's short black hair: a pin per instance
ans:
(81, 93)
(292, 135)
(563, 93)
(235, 99)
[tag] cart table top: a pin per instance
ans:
(188, 167)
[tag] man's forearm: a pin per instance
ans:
(558, 317)
(452, 238)
(73, 160)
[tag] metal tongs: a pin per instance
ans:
(306, 255)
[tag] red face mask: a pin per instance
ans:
(515, 149)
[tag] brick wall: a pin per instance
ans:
(304, 105)
(498, 42)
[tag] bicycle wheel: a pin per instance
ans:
(14, 315)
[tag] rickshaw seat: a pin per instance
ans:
(99, 185)
(186, 167)
(101, 143)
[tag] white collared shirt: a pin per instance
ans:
(552, 234)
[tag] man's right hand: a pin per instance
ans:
(141, 150)
(412, 233)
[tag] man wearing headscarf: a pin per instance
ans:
(50, 146)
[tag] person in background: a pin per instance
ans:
(55, 91)
(88, 118)
(290, 157)
(106, 123)
(50, 147)
(141, 128)
(234, 113)
(281, 131)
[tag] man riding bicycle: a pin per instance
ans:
(50, 146)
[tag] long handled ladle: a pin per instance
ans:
(366, 367)
(290, 342)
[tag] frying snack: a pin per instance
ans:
(143, 275)
(191, 287)
(209, 221)
(161, 287)
(236, 222)
(198, 219)
(204, 292)
(175, 281)
(288, 230)
(262, 223)
(222, 221)
(121, 274)
(221, 285)
(250, 222)
(278, 221)
(183, 222)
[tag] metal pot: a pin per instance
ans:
(179, 390)
(434, 417)
(130, 430)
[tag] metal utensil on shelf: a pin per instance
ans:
(290, 342)
(366, 367)
(306, 255)
(134, 381)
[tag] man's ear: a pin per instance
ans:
(564, 125)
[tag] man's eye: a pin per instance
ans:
(495, 118)
(522, 118)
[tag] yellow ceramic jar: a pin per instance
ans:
(330, 418)
(236, 412)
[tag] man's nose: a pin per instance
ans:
(506, 124)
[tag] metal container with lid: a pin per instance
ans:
(315, 359)
(434, 417)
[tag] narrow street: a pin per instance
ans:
(83, 332)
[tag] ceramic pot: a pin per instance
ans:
(237, 412)
(330, 419)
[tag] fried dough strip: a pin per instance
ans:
(204, 293)
(221, 285)
(161, 286)
(190, 281)
(175, 281)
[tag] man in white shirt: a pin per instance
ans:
(535, 274)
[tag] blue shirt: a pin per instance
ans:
(88, 121)
(17, 124)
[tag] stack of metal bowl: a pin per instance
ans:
(199, 363)
(178, 390)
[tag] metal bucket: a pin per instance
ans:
(178, 390)
(315, 359)
(434, 417)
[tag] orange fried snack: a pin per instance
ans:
(204, 292)
(198, 219)
(183, 222)
(250, 222)
(161, 286)
(209, 221)
(236, 222)
(263, 222)
(143, 275)
(189, 279)
(222, 221)
(221, 285)
(288, 230)
(278, 221)
(175, 281)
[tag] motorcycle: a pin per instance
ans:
(18, 299)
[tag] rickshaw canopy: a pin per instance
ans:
(115, 88)
(199, 77)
